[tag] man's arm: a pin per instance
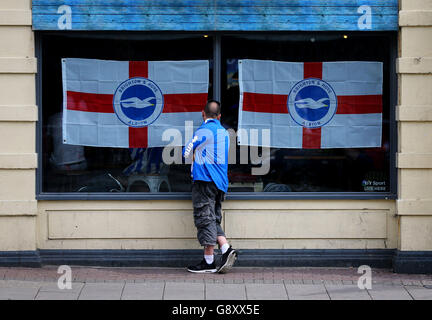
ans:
(189, 148)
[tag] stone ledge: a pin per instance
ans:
(15, 18)
(18, 65)
(19, 113)
(414, 207)
(414, 161)
(18, 207)
(414, 113)
(415, 65)
(415, 18)
(18, 160)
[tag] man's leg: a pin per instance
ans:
(208, 250)
(221, 238)
(205, 222)
(209, 254)
(221, 241)
(229, 255)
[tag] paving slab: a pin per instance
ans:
(419, 293)
(102, 291)
(143, 291)
(266, 291)
(50, 295)
(240, 283)
(346, 292)
(427, 282)
(307, 292)
(219, 291)
(388, 292)
(18, 293)
(20, 283)
(183, 291)
(53, 287)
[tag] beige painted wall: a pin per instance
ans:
(26, 224)
(277, 224)
(18, 115)
(415, 125)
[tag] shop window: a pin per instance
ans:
(69, 168)
(314, 169)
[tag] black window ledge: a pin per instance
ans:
(230, 196)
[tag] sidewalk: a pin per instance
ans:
(239, 284)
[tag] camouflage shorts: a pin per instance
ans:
(207, 204)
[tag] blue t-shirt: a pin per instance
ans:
(210, 145)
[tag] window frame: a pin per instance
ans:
(217, 76)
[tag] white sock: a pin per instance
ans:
(209, 259)
(224, 247)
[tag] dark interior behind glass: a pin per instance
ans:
(292, 170)
(305, 170)
(105, 167)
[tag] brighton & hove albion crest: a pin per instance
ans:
(138, 102)
(312, 103)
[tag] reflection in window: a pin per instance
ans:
(308, 170)
(88, 169)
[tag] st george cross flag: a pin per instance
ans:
(129, 104)
(311, 105)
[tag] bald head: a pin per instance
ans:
(212, 109)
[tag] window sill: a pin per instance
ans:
(230, 196)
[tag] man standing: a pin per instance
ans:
(208, 153)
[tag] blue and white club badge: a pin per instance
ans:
(138, 102)
(312, 103)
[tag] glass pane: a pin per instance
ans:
(299, 169)
(76, 168)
